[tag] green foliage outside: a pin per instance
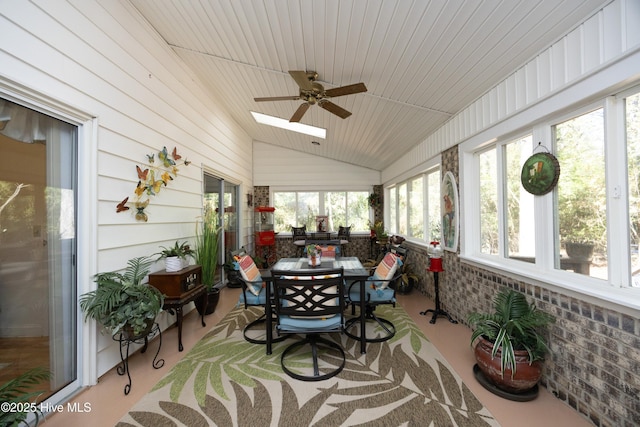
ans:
(301, 208)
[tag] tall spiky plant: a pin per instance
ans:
(515, 325)
(208, 243)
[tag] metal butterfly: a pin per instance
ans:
(164, 156)
(122, 205)
(142, 175)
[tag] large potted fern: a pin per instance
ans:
(510, 342)
(122, 303)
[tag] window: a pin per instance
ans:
(414, 206)
(500, 168)
(632, 119)
(581, 202)
(489, 201)
(298, 208)
(564, 233)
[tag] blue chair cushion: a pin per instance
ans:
(253, 299)
(299, 325)
(372, 295)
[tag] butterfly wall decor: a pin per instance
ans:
(148, 185)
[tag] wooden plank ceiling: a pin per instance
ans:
(422, 61)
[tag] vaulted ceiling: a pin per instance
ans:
(421, 61)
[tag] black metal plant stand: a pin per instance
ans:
(125, 341)
(437, 311)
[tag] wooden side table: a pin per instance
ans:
(180, 288)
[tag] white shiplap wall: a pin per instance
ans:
(598, 44)
(103, 60)
(280, 168)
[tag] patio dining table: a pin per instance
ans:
(353, 271)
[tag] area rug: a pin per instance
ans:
(226, 381)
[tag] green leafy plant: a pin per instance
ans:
(378, 230)
(514, 325)
(409, 274)
(180, 250)
(122, 300)
(16, 391)
(208, 244)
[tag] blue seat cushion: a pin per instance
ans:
(252, 299)
(299, 325)
(373, 295)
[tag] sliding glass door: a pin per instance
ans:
(37, 246)
(221, 196)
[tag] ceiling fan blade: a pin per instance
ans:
(346, 90)
(302, 78)
(335, 109)
(299, 112)
(277, 98)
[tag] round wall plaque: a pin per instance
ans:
(540, 173)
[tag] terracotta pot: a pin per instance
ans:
(213, 296)
(525, 378)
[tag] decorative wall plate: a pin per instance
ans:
(540, 173)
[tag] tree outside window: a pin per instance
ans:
(581, 192)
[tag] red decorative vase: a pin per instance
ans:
(526, 376)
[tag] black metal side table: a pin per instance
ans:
(126, 341)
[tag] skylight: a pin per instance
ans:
(285, 124)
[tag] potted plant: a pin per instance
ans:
(121, 302)
(408, 279)
(374, 200)
(511, 345)
(176, 257)
(17, 391)
(377, 231)
(232, 275)
(206, 255)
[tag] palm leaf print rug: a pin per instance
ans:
(226, 381)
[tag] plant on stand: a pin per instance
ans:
(176, 257)
(121, 302)
(206, 255)
(511, 345)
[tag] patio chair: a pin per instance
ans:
(310, 303)
(299, 235)
(380, 290)
(253, 295)
(344, 235)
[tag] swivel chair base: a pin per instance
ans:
(315, 341)
(260, 321)
(386, 325)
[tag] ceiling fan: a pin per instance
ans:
(312, 92)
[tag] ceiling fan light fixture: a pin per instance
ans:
(286, 124)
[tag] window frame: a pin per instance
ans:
(617, 288)
(321, 203)
(434, 166)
